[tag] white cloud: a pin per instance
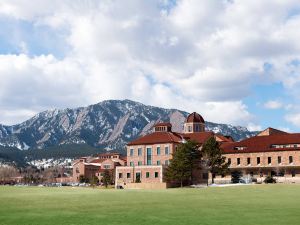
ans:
(254, 127)
(293, 118)
(186, 58)
(273, 104)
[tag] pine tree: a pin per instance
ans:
(193, 156)
(215, 161)
(106, 179)
(185, 159)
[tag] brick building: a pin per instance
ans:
(148, 156)
(271, 152)
(90, 167)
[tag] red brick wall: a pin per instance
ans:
(143, 170)
(162, 157)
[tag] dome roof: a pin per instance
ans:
(194, 118)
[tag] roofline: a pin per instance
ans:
(170, 142)
(260, 151)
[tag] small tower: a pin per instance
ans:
(194, 123)
(162, 127)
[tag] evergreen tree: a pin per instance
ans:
(106, 179)
(185, 159)
(193, 156)
(215, 161)
(94, 181)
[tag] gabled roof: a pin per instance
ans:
(263, 143)
(270, 131)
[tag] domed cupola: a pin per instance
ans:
(194, 123)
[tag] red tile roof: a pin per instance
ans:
(194, 118)
(263, 143)
(173, 137)
(97, 160)
(158, 138)
(200, 137)
(225, 138)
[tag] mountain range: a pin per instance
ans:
(108, 125)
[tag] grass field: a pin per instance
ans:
(251, 205)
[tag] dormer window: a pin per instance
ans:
(239, 148)
(285, 146)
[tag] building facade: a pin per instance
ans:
(90, 167)
(271, 152)
(148, 156)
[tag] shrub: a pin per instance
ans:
(270, 180)
(236, 176)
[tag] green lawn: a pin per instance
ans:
(252, 205)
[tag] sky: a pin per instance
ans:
(235, 62)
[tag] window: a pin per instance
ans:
(131, 152)
(77, 170)
(139, 163)
(131, 164)
(149, 156)
(229, 161)
(279, 159)
(158, 162)
(158, 151)
(248, 161)
(156, 174)
(138, 176)
(106, 166)
(269, 160)
(258, 160)
(139, 151)
(290, 159)
(128, 175)
(120, 175)
(189, 128)
(167, 152)
(238, 161)
(240, 148)
(147, 174)
(167, 162)
(205, 175)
